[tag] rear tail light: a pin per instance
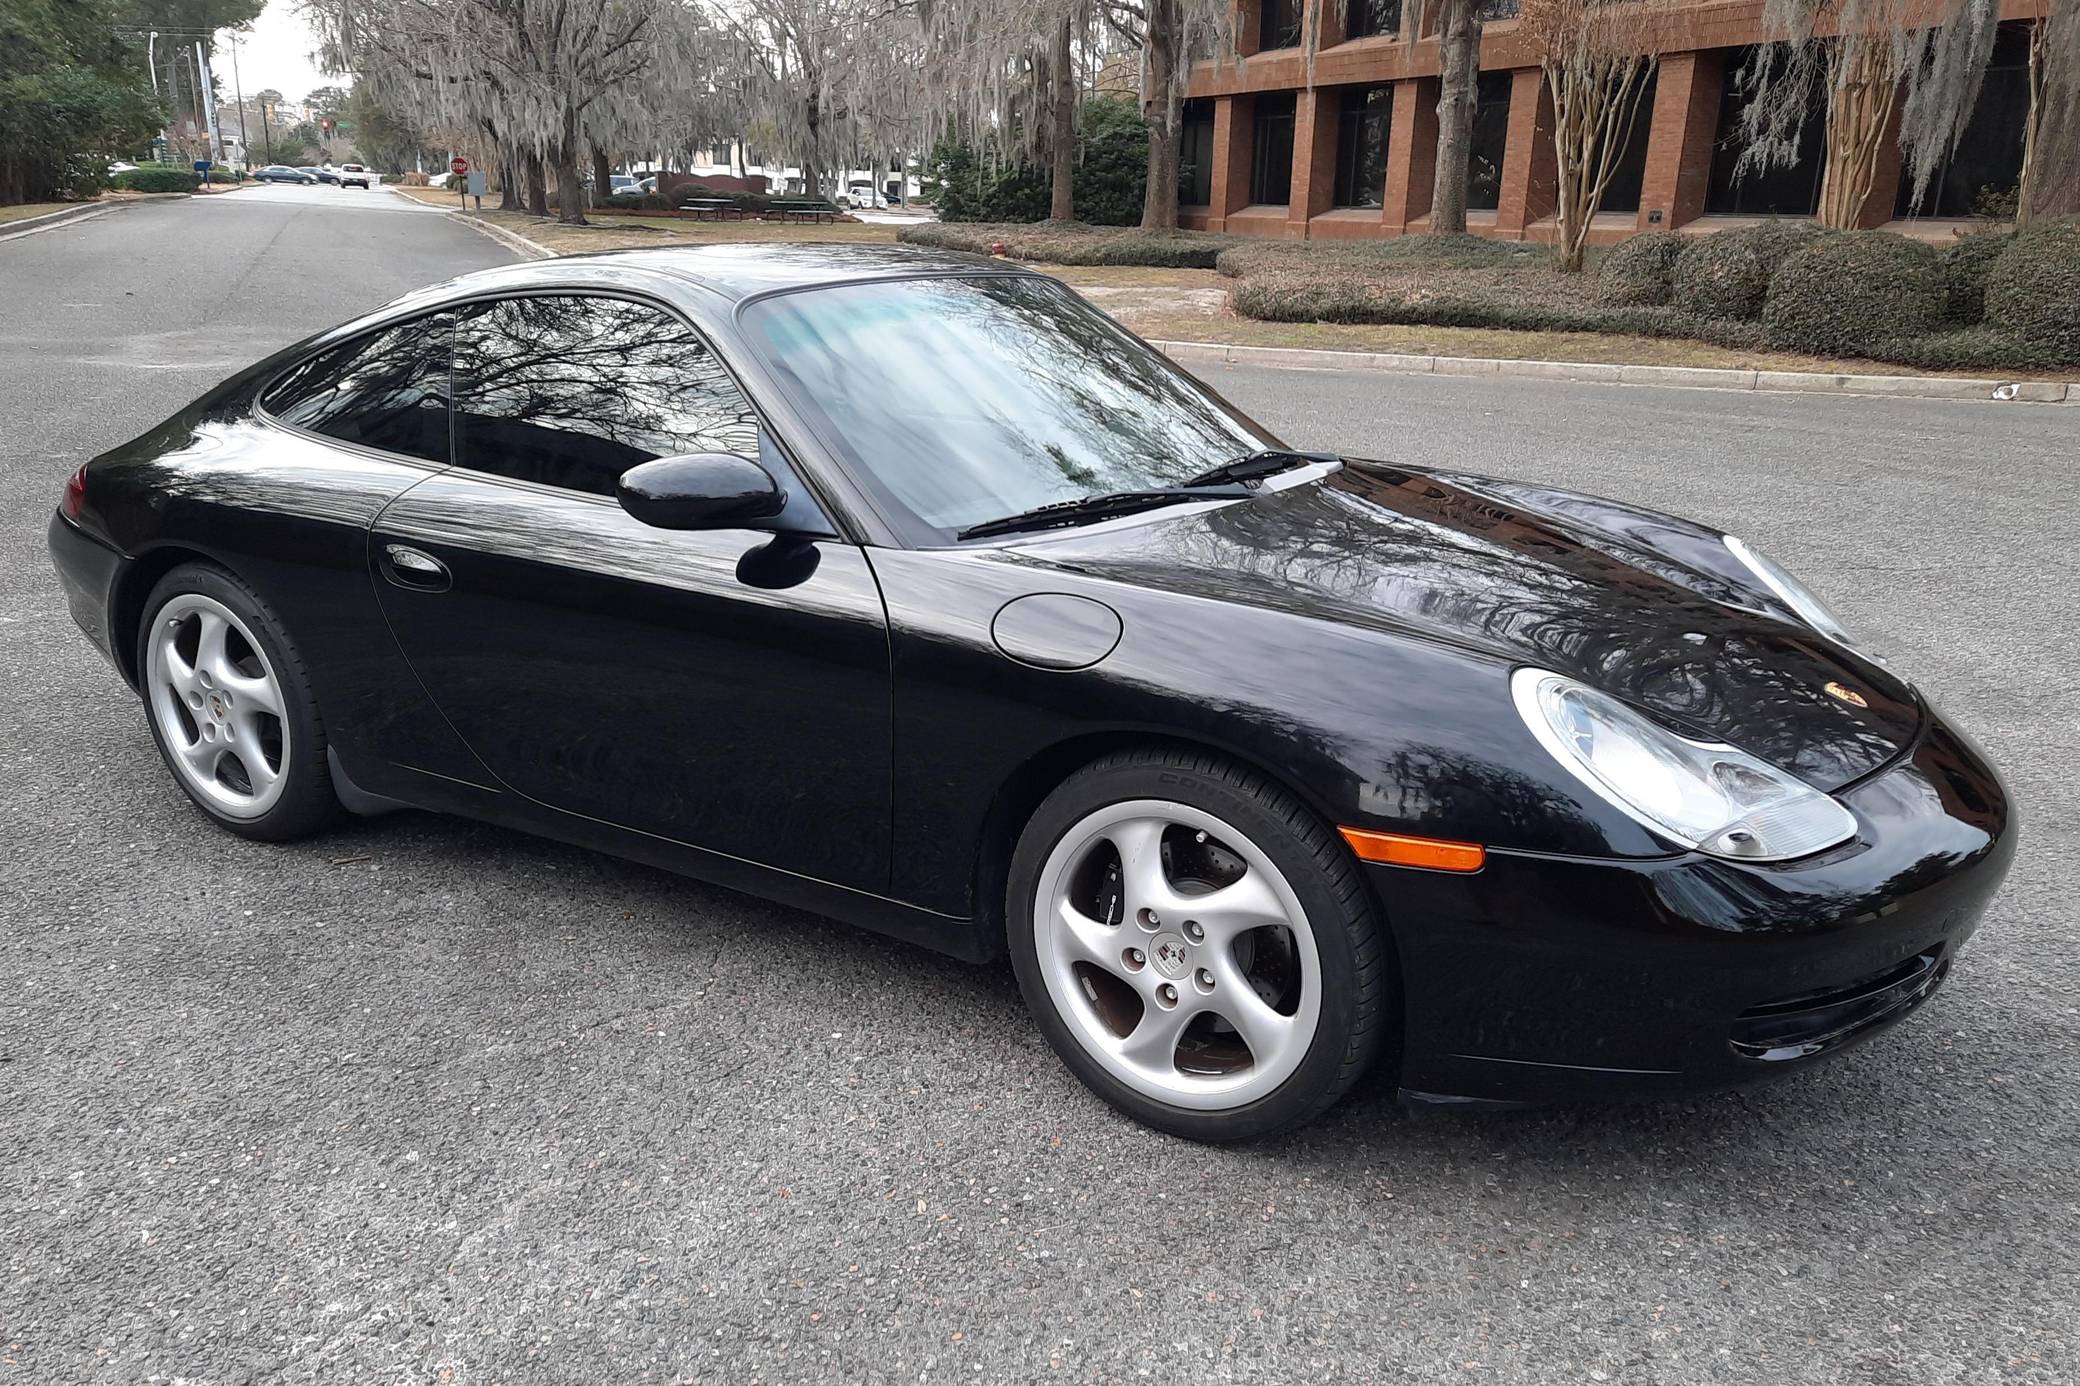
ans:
(75, 493)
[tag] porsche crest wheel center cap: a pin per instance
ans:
(220, 706)
(1171, 955)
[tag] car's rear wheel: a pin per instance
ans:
(1196, 945)
(230, 708)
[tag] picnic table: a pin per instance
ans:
(812, 210)
(711, 208)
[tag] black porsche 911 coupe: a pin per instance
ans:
(908, 588)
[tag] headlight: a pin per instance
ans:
(1791, 592)
(1714, 798)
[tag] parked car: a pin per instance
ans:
(860, 193)
(621, 183)
(327, 174)
(907, 587)
(282, 173)
(317, 175)
(357, 176)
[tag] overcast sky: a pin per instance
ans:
(276, 53)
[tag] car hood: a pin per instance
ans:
(1565, 585)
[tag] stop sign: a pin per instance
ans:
(458, 165)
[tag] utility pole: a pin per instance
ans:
(245, 150)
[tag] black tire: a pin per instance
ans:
(307, 802)
(1359, 1007)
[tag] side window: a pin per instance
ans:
(572, 391)
(387, 390)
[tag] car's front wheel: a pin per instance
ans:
(1196, 945)
(230, 708)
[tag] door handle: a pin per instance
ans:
(408, 567)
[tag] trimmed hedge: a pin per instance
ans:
(1253, 256)
(1641, 271)
(1726, 274)
(1072, 243)
(162, 179)
(1965, 265)
(2033, 290)
(1845, 295)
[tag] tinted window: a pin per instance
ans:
(1490, 137)
(1783, 190)
(1271, 165)
(388, 390)
(572, 391)
(1365, 18)
(1195, 156)
(1361, 146)
(960, 400)
(1281, 25)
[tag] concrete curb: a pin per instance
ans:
(520, 245)
(47, 220)
(1677, 377)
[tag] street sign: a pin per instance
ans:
(476, 182)
(458, 166)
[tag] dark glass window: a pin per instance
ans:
(1361, 146)
(1621, 194)
(1281, 25)
(1271, 157)
(962, 399)
(1494, 11)
(572, 391)
(387, 390)
(1988, 158)
(1366, 18)
(1490, 138)
(1792, 191)
(1195, 155)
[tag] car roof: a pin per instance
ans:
(740, 270)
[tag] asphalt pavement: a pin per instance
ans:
(429, 1101)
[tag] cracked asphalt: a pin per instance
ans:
(426, 1101)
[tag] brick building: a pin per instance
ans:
(1337, 138)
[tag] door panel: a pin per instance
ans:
(727, 689)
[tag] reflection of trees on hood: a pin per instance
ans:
(1409, 551)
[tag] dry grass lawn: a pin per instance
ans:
(611, 231)
(22, 211)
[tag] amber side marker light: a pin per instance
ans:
(1432, 853)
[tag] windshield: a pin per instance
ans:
(965, 399)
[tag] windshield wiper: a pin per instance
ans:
(1098, 507)
(1256, 465)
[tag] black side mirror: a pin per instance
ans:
(700, 490)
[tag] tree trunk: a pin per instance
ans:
(2054, 171)
(1859, 113)
(1159, 108)
(1459, 75)
(1063, 206)
(570, 189)
(537, 189)
(602, 177)
(508, 184)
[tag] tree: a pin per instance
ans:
(2051, 166)
(1870, 61)
(72, 98)
(1458, 93)
(327, 101)
(1597, 62)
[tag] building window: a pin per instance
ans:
(1281, 26)
(1490, 139)
(1495, 11)
(1271, 165)
(1361, 146)
(1988, 158)
(1372, 18)
(1195, 155)
(1621, 194)
(1782, 191)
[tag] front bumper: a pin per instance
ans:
(87, 572)
(1554, 979)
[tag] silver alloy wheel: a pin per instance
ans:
(1178, 954)
(217, 705)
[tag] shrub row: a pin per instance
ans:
(163, 178)
(1072, 243)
